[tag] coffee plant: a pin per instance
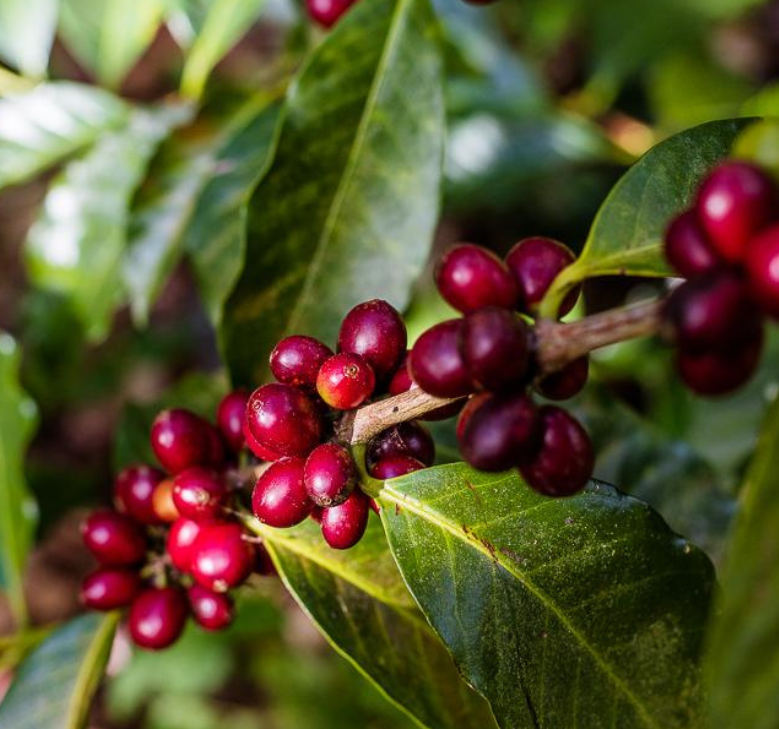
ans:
(515, 475)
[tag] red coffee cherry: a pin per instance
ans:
(345, 381)
(327, 12)
(735, 201)
(182, 535)
(284, 420)
(264, 454)
(405, 439)
(687, 248)
(134, 492)
(157, 617)
(470, 277)
(199, 494)
(221, 557)
(375, 331)
(344, 525)
(495, 345)
(180, 439)
(471, 406)
(329, 474)
(211, 610)
(280, 498)
(110, 588)
(436, 364)
(564, 463)
(535, 264)
(162, 501)
(401, 381)
(296, 361)
(762, 262)
(230, 416)
(501, 432)
(395, 466)
(114, 539)
(567, 382)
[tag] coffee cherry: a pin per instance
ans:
(114, 539)
(564, 463)
(503, 431)
(134, 492)
(284, 420)
(735, 201)
(395, 466)
(296, 361)
(762, 262)
(230, 416)
(327, 12)
(199, 494)
(401, 381)
(329, 474)
(211, 610)
(436, 364)
(375, 331)
(157, 617)
(567, 382)
(110, 588)
(345, 381)
(182, 535)
(494, 343)
(280, 498)
(180, 439)
(264, 454)
(470, 277)
(344, 525)
(221, 557)
(687, 248)
(162, 501)
(405, 439)
(471, 406)
(535, 264)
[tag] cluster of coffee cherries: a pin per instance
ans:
(172, 548)
(727, 247)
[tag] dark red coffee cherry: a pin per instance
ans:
(735, 201)
(495, 345)
(713, 311)
(134, 492)
(687, 248)
(230, 416)
(157, 617)
(280, 498)
(284, 420)
(211, 610)
(395, 466)
(329, 474)
(503, 431)
(405, 439)
(327, 12)
(470, 277)
(199, 494)
(436, 364)
(110, 588)
(296, 361)
(182, 535)
(535, 264)
(567, 382)
(344, 525)
(263, 563)
(345, 381)
(762, 261)
(221, 557)
(401, 381)
(180, 439)
(162, 501)
(114, 539)
(375, 331)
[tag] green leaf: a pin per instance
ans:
(77, 243)
(55, 685)
(627, 234)
(27, 30)
(18, 513)
(348, 208)
(361, 605)
(742, 660)
(584, 611)
(52, 121)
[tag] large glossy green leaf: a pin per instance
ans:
(27, 30)
(359, 602)
(40, 127)
(17, 509)
(586, 611)
(627, 234)
(55, 685)
(347, 210)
